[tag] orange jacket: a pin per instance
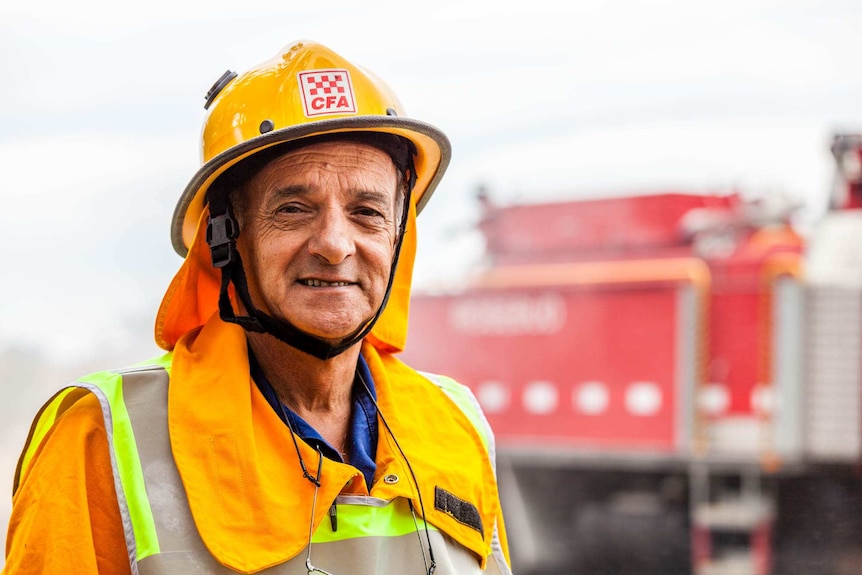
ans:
(65, 517)
(229, 449)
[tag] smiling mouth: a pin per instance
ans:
(321, 283)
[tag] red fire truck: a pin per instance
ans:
(674, 380)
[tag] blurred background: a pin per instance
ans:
(100, 114)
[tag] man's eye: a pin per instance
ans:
(290, 209)
(369, 212)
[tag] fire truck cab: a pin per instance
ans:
(674, 380)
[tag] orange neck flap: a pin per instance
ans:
(242, 476)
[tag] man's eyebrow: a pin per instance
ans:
(289, 192)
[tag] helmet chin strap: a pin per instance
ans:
(222, 233)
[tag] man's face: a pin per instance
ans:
(318, 232)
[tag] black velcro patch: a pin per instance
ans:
(462, 511)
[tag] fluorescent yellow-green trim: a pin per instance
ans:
(128, 464)
(356, 521)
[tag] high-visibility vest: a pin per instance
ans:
(368, 536)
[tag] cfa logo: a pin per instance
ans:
(326, 92)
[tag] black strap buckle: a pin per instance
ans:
(222, 231)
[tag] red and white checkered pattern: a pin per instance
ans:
(326, 92)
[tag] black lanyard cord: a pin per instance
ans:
(315, 480)
(430, 569)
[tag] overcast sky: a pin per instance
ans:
(101, 109)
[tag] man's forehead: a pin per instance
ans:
(399, 150)
(361, 171)
(336, 154)
(346, 160)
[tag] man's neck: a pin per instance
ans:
(318, 391)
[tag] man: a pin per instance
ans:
(279, 434)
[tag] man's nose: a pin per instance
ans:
(332, 239)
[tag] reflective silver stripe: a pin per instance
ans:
(496, 544)
(478, 415)
(497, 553)
(145, 395)
(185, 563)
(361, 500)
(367, 555)
(128, 530)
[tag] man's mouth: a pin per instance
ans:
(321, 283)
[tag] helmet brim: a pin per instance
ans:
(432, 146)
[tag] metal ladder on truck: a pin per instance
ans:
(731, 521)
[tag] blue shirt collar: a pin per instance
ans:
(363, 420)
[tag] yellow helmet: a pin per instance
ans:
(305, 90)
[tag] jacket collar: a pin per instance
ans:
(241, 481)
